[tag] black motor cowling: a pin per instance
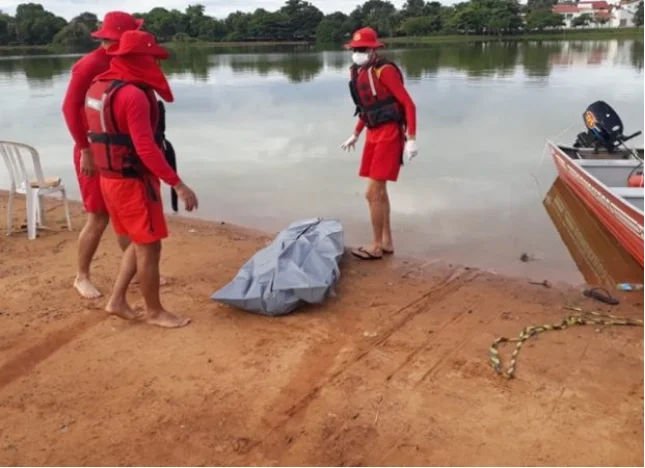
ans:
(604, 128)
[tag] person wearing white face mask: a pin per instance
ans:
(387, 110)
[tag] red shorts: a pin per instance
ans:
(90, 188)
(382, 153)
(135, 208)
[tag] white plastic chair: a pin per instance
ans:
(16, 156)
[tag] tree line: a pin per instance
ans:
(296, 20)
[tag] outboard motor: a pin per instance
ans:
(604, 128)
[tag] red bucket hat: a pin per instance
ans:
(138, 43)
(115, 23)
(364, 37)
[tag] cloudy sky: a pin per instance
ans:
(218, 8)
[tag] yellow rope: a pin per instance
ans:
(579, 318)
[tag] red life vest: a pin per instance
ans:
(374, 103)
(113, 151)
(636, 179)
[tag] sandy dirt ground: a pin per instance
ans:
(393, 371)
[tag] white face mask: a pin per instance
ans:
(360, 58)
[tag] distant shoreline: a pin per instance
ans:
(563, 35)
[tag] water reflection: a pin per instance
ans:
(297, 64)
(39, 71)
(296, 67)
(636, 54)
(598, 256)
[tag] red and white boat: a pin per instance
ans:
(606, 175)
(600, 180)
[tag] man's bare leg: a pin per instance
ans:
(124, 243)
(88, 242)
(388, 243)
(148, 256)
(118, 303)
(376, 195)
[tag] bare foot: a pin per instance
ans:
(86, 289)
(122, 310)
(165, 319)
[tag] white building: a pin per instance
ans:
(601, 13)
(623, 14)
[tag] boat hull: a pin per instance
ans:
(621, 219)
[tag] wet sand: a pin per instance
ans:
(393, 371)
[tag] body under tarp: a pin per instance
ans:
(299, 267)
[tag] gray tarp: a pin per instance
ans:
(299, 266)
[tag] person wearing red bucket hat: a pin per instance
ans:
(387, 110)
(115, 23)
(122, 116)
(365, 38)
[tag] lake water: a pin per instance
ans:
(257, 134)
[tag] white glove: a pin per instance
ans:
(350, 143)
(410, 152)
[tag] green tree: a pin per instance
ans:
(378, 14)
(300, 20)
(582, 20)
(543, 19)
(164, 24)
(533, 5)
(413, 8)
(90, 20)
(303, 18)
(35, 25)
(212, 29)
(77, 34)
(237, 26)
(7, 29)
(382, 16)
(638, 15)
(267, 26)
(194, 19)
(333, 28)
(504, 17)
(421, 25)
(433, 8)
(486, 17)
(600, 19)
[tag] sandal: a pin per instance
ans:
(363, 254)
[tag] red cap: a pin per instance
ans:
(138, 43)
(115, 24)
(364, 37)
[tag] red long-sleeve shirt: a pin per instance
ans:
(390, 78)
(83, 73)
(131, 109)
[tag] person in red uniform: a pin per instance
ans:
(122, 115)
(115, 23)
(387, 110)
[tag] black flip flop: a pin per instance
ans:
(595, 293)
(388, 252)
(369, 255)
